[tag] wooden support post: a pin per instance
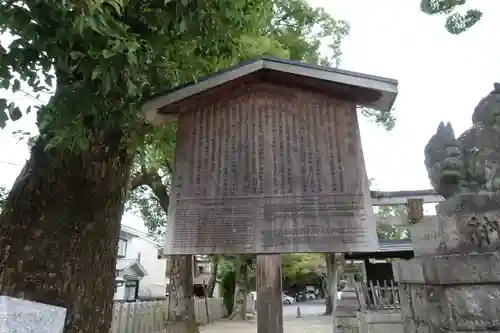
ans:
(269, 302)
(415, 208)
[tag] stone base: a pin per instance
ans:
(450, 293)
(346, 323)
(380, 321)
(410, 326)
(346, 320)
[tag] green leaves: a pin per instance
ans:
(303, 268)
(3, 196)
(3, 114)
(14, 112)
(385, 119)
(456, 23)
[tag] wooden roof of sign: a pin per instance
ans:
(365, 90)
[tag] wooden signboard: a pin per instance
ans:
(266, 168)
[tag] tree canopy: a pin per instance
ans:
(121, 52)
(292, 29)
(300, 267)
(385, 231)
(456, 21)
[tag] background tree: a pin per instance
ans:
(303, 269)
(456, 22)
(100, 59)
(236, 276)
(3, 196)
(387, 231)
(293, 30)
(214, 268)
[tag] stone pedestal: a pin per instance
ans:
(380, 321)
(21, 316)
(346, 320)
(453, 284)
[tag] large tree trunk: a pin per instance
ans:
(326, 291)
(213, 276)
(181, 316)
(240, 291)
(328, 305)
(59, 231)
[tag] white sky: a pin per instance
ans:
(441, 78)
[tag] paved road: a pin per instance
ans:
(309, 308)
(307, 324)
(311, 321)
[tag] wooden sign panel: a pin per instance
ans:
(269, 169)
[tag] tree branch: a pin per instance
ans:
(139, 179)
(168, 166)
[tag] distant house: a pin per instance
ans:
(139, 271)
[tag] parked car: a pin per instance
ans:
(287, 299)
(310, 296)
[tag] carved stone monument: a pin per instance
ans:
(21, 316)
(453, 284)
(269, 160)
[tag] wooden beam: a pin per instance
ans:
(399, 220)
(269, 302)
(384, 198)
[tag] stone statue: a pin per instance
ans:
(471, 162)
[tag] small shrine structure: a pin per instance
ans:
(269, 160)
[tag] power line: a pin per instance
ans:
(11, 163)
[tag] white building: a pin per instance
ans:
(139, 272)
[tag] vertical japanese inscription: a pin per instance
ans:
(200, 123)
(317, 149)
(225, 156)
(281, 153)
(290, 150)
(217, 175)
(261, 118)
(245, 151)
(309, 132)
(276, 153)
(206, 153)
(352, 131)
(235, 148)
(303, 153)
(254, 116)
